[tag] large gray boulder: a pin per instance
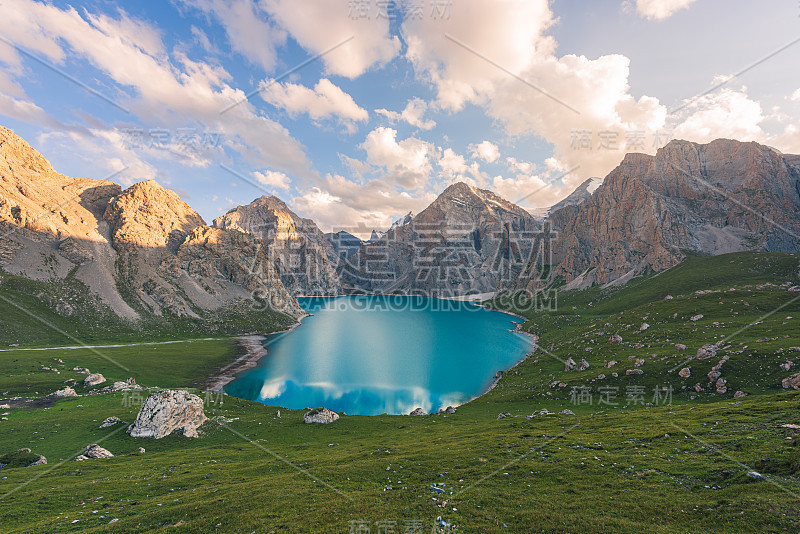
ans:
(93, 379)
(94, 451)
(165, 411)
(321, 416)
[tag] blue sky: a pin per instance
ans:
(378, 115)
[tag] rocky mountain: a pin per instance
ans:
(651, 211)
(581, 193)
(467, 240)
(303, 257)
(344, 243)
(139, 252)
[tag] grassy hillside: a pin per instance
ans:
(40, 314)
(615, 466)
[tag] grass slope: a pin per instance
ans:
(627, 467)
(64, 313)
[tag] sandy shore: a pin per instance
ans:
(251, 350)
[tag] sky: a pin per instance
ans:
(356, 112)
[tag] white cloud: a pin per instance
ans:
(412, 114)
(486, 150)
(98, 150)
(795, 95)
(272, 179)
(168, 92)
(562, 94)
(248, 31)
(657, 9)
(527, 190)
(324, 101)
(727, 113)
(340, 204)
(452, 164)
(407, 162)
(319, 25)
(511, 35)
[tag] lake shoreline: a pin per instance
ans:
(250, 351)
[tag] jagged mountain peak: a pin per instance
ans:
(147, 214)
(464, 200)
(18, 153)
(304, 258)
(581, 193)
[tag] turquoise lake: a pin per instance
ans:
(367, 355)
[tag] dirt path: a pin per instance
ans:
(76, 347)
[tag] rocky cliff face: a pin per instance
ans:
(467, 240)
(344, 243)
(176, 263)
(141, 250)
(581, 193)
(303, 257)
(651, 211)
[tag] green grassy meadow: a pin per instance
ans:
(624, 463)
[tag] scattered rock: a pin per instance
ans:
(680, 346)
(721, 387)
(755, 476)
(634, 372)
(669, 297)
(141, 450)
(566, 412)
(696, 318)
(569, 365)
(644, 327)
(792, 382)
(706, 351)
(698, 388)
(503, 415)
(616, 338)
(638, 346)
(417, 412)
(325, 416)
(685, 372)
(21, 458)
(713, 375)
(94, 451)
(787, 365)
(611, 364)
(41, 461)
(639, 362)
(739, 395)
(163, 412)
(110, 421)
(450, 410)
(81, 370)
(64, 393)
(93, 379)
(582, 365)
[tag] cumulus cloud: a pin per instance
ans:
(503, 60)
(795, 95)
(486, 150)
(167, 91)
(407, 162)
(320, 25)
(324, 101)
(726, 113)
(657, 9)
(341, 204)
(272, 179)
(412, 114)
